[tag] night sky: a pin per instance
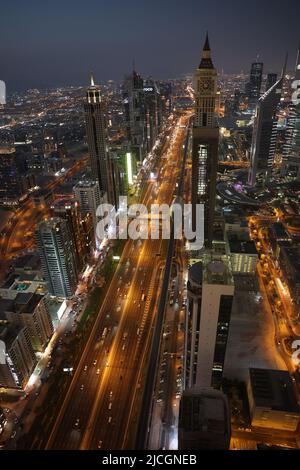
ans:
(48, 43)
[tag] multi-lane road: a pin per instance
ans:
(102, 405)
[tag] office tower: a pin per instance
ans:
(271, 80)
(165, 89)
(31, 311)
(254, 86)
(264, 135)
(205, 142)
(210, 295)
(204, 420)
(11, 184)
(291, 150)
(69, 211)
(96, 130)
(89, 196)
(17, 359)
(153, 112)
(135, 114)
(57, 253)
(236, 101)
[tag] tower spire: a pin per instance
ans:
(206, 44)
(206, 62)
(92, 80)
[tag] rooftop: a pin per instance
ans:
(241, 246)
(86, 184)
(273, 389)
(28, 262)
(279, 232)
(9, 334)
(204, 412)
(23, 303)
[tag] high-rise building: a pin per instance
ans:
(13, 184)
(143, 106)
(89, 196)
(69, 211)
(204, 420)
(271, 80)
(17, 359)
(57, 252)
(96, 130)
(236, 101)
(254, 85)
(135, 114)
(291, 150)
(205, 142)
(31, 311)
(153, 109)
(210, 296)
(264, 135)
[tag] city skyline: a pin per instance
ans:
(150, 230)
(107, 44)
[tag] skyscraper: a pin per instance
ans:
(254, 85)
(205, 142)
(291, 150)
(264, 135)
(14, 183)
(96, 131)
(210, 296)
(57, 252)
(69, 211)
(135, 114)
(153, 111)
(89, 197)
(271, 79)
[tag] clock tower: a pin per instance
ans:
(205, 142)
(205, 89)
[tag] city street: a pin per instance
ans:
(109, 377)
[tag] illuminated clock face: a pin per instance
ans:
(206, 86)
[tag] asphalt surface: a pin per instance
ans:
(99, 409)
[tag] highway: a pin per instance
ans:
(157, 415)
(101, 407)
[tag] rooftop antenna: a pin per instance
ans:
(284, 65)
(92, 79)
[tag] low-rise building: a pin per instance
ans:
(204, 420)
(31, 311)
(17, 358)
(15, 284)
(272, 400)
